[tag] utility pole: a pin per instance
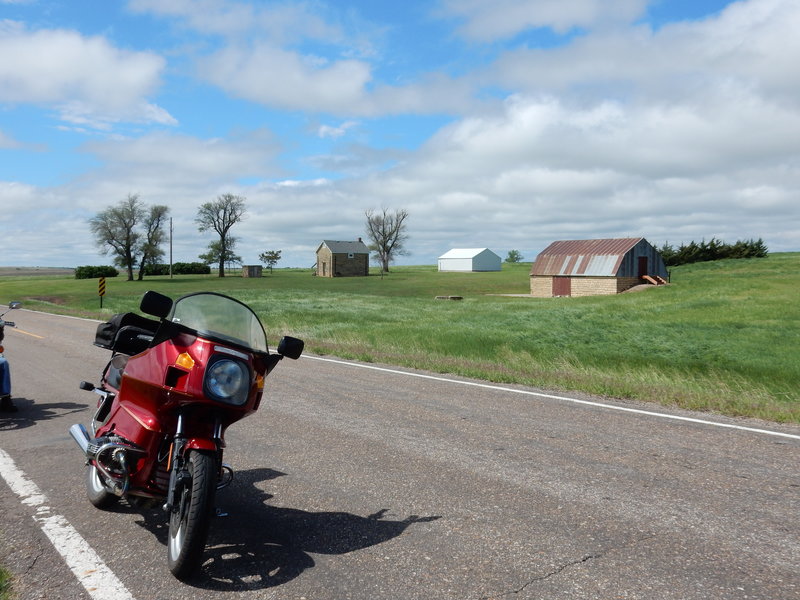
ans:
(170, 247)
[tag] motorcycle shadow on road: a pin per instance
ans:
(259, 546)
(29, 413)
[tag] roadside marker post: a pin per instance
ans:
(101, 289)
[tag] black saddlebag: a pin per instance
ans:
(127, 333)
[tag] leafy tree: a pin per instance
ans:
(270, 258)
(220, 216)
(216, 254)
(131, 232)
(514, 256)
(387, 231)
(153, 237)
(114, 231)
(667, 253)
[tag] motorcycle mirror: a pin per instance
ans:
(291, 347)
(14, 304)
(156, 304)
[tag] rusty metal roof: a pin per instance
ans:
(583, 257)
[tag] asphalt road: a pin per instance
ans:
(362, 483)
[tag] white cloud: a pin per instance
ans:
(85, 77)
(276, 77)
(279, 22)
(487, 20)
(158, 162)
(337, 131)
(750, 46)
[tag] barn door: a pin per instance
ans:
(643, 266)
(562, 286)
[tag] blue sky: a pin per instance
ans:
(505, 124)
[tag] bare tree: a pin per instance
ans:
(114, 230)
(387, 231)
(220, 216)
(153, 236)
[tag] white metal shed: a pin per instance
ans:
(469, 260)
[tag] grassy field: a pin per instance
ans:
(722, 337)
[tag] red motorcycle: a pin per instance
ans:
(169, 392)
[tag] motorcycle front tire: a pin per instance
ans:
(190, 520)
(96, 490)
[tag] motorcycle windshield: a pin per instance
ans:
(220, 318)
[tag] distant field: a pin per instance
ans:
(724, 336)
(35, 271)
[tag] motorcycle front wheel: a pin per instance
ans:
(191, 517)
(97, 491)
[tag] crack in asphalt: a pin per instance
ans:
(552, 573)
(558, 570)
(34, 558)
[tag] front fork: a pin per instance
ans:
(179, 475)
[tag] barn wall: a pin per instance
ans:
(601, 286)
(486, 261)
(455, 264)
(542, 286)
(630, 262)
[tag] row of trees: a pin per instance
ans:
(712, 250)
(132, 233)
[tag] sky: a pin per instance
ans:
(501, 124)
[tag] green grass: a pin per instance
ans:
(723, 337)
(6, 588)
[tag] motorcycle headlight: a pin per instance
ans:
(227, 381)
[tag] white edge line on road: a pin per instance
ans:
(92, 573)
(560, 398)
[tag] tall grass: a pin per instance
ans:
(722, 337)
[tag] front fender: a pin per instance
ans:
(200, 444)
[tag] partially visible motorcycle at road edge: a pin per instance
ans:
(6, 405)
(172, 387)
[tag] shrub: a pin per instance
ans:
(178, 268)
(156, 269)
(95, 272)
(193, 268)
(713, 250)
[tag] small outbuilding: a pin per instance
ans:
(596, 267)
(342, 259)
(469, 260)
(251, 270)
